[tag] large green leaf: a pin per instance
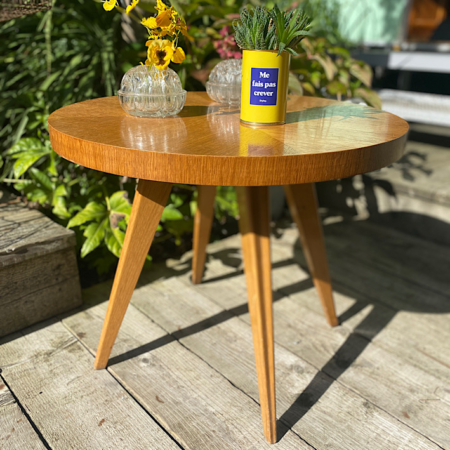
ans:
(308, 87)
(119, 208)
(93, 211)
(327, 64)
(119, 203)
(114, 240)
(25, 145)
(26, 152)
(362, 72)
(336, 88)
(61, 191)
(60, 207)
(95, 232)
(23, 163)
(369, 96)
(315, 78)
(42, 178)
(38, 195)
(49, 80)
(171, 213)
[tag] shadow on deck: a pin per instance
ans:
(184, 353)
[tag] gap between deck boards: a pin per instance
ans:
(174, 332)
(186, 315)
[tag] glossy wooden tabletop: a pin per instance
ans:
(206, 143)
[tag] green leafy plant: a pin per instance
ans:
(74, 53)
(290, 28)
(325, 70)
(253, 30)
(107, 222)
(261, 29)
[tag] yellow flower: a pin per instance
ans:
(159, 53)
(168, 31)
(150, 23)
(164, 18)
(160, 6)
(150, 41)
(132, 6)
(109, 5)
(178, 55)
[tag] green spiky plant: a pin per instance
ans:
(253, 31)
(290, 28)
(260, 29)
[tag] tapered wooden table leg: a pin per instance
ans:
(202, 229)
(149, 202)
(302, 201)
(255, 229)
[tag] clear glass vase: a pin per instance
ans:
(150, 92)
(224, 83)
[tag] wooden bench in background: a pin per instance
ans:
(38, 268)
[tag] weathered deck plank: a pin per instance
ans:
(388, 288)
(225, 343)
(383, 378)
(397, 253)
(420, 334)
(197, 405)
(74, 406)
(402, 386)
(420, 339)
(16, 433)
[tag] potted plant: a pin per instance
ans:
(267, 38)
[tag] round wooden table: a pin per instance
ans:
(207, 145)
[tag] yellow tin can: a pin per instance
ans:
(265, 77)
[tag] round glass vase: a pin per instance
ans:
(265, 77)
(224, 82)
(150, 92)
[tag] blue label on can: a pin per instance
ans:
(264, 86)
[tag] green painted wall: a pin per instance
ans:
(372, 21)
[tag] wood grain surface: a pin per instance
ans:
(341, 419)
(204, 216)
(255, 231)
(148, 205)
(38, 268)
(207, 145)
(199, 407)
(378, 381)
(26, 234)
(16, 433)
(74, 406)
(302, 201)
(392, 346)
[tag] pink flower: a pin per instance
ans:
(226, 47)
(225, 31)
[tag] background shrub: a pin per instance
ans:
(76, 52)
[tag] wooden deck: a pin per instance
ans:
(182, 372)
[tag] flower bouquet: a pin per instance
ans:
(153, 89)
